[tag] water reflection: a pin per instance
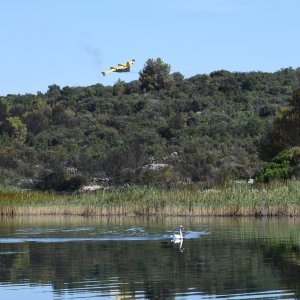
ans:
(69, 258)
(178, 244)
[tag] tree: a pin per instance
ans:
(178, 77)
(287, 124)
(38, 119)
(295, 102)
(3, 116)
(61, 115)
(54, 92)
(285, 131)
(155, 75)
(3, 112)
(119, 88)
(18, 129)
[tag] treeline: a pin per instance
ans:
(159, 130)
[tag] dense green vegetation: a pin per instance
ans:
(285, 165)
(160, 130)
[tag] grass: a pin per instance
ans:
(232, 200)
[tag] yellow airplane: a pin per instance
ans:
(120, 67)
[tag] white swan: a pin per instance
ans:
(176, 238)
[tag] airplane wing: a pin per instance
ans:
(110, 70)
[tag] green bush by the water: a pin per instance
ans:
(284, 166)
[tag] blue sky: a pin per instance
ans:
(69, 42)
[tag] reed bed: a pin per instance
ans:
(277, 199)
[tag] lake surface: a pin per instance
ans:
(133, 258)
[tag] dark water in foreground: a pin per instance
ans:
(133, 258)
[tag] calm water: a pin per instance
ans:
(133, 258)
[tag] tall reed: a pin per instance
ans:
(232, 200)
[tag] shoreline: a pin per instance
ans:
(278, 199)
(86, 211)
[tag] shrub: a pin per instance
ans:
(164, 177)
(59, 182)
(284, 166)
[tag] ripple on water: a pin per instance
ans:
(131, 234)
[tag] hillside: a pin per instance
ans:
(161, 130)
